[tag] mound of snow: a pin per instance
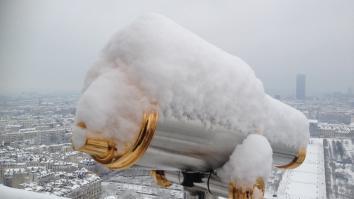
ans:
(8, 192)
(250, 160)
(155, 64)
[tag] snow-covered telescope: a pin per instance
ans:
(163, 98)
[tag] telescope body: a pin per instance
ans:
(187, 146)
(162, 98)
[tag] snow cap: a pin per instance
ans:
(155, 64)
(250, 160)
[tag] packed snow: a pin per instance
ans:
(250, 160)
(308, 180)
(8, 192)
(156, 65)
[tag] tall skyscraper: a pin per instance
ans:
(300, 86)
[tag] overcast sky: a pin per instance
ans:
(49, 45)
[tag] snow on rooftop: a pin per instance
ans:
(313, 121)
(339, 128)
(65, 182)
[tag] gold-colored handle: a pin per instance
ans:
(104, 150)
(160, 178)
(297, 161)
(101, 150)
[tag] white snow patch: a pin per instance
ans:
(78, 138)
(8, 192)
(155, 64)
(111, 106)
(308, 180)
(250, 160)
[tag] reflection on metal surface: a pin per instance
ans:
(101, 150)
(186, 145)
(104, 150)
(177, 145)
(236, 192)
(160, 178)
(297, 161)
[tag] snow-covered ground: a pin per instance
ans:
(308, 180)
(136, 183)
(12, 193)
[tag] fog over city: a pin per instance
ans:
(48, 46)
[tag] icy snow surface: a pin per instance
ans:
(155, 64)
(250, 160)
(8, 192)
(308, 180)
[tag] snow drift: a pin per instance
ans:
(250, 160)
(155, 64)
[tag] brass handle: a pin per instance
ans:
(104, 150)
(101, 150)
(160, 178)
(297, 161)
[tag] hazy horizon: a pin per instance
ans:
(49, 46)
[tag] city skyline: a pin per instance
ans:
(35, 130)
(292, 92)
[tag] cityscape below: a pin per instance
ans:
(36, 153)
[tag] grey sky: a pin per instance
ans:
(49, 45)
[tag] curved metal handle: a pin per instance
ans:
(104, 150)
(297, 161)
